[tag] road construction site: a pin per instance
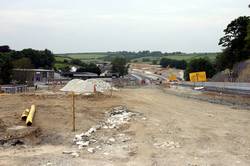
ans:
(151, 74)
(147, 125)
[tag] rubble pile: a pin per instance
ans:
(117, 117)
(87, 86)
(101, 86)
(83, 140)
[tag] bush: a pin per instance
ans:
(119, 66)
(65, 61)
(154, 62)
(77, 62)
(145, 60)
(197, 65)
(179, 64)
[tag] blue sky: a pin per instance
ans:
(114, 25)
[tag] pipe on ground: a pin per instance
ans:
(25, 114)
(31, 115)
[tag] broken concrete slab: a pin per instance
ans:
(91, 150)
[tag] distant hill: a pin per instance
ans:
(84, 56)
(186, 57)
(147, 57)
(144, 56)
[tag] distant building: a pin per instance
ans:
(80, 75)
(104, 67)
(73, 69)
(112, 75)
(33, 76)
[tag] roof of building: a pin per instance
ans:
(35, 70)
(82, 74)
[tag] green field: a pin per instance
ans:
(186, 57)
(62, 58)
(98, 57)
(60, 65)
(85, 56)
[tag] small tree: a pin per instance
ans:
(65, 61)
(119, 66)
(77, 62)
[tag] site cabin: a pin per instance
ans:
(80, 75)
(33, 77)
(88, 75)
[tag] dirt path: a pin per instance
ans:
(208, 134)
(175, 131)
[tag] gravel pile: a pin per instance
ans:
(87, 86)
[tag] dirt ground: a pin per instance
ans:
(170, 130)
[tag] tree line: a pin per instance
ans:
(26, 58)
(134, 55)
(45, 59)
(81, 66)
(179, 64)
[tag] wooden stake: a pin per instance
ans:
(73, 111)
(111, 90)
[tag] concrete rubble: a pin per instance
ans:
(118, 116)
(91, 150)
(115, 118)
